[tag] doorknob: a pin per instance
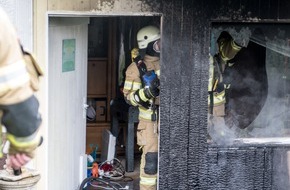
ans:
(85, 106)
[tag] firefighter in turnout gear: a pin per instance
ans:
(216, 89)
(238, 81)
(142, 89)
(217, 99)
(18, 105)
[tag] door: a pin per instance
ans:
(67, 78)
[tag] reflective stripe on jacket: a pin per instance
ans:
(13, 76)
(133, 83)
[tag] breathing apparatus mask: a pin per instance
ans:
(153, 48)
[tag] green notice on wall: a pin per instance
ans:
(68, 55)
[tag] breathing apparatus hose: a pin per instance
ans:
(89, 179)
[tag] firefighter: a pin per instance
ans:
(216, 98)
(244, 80)
(142, 89)
(217, 129)
(18, 105)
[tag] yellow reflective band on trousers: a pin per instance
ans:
(13, 76)
(132, 85)
(148, 180)
(145, 113)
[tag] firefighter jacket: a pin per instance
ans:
(216, 89)
(133, 82)
(18, 105)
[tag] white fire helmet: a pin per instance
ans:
(146, 35)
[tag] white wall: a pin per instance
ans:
(21, 15)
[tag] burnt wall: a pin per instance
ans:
(247, 167)
(186, 159)
(239, 168)
(183, 118)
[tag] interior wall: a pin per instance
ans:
(18, 17)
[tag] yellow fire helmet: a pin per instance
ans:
(228, 48)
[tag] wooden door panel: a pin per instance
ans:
(97, 78)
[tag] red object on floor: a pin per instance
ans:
(106, 167)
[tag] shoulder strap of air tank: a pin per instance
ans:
(140, 65)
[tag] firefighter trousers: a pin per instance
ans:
(147, 139)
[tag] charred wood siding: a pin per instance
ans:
(186, 160)
(240, 168)
(183, 91)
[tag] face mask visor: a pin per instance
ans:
(156, 46)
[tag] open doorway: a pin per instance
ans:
(110, 41)
(87, 57)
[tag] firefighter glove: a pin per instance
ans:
(151, 92)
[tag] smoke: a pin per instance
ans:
(274, 118)
(272, 124)
(219, 132)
